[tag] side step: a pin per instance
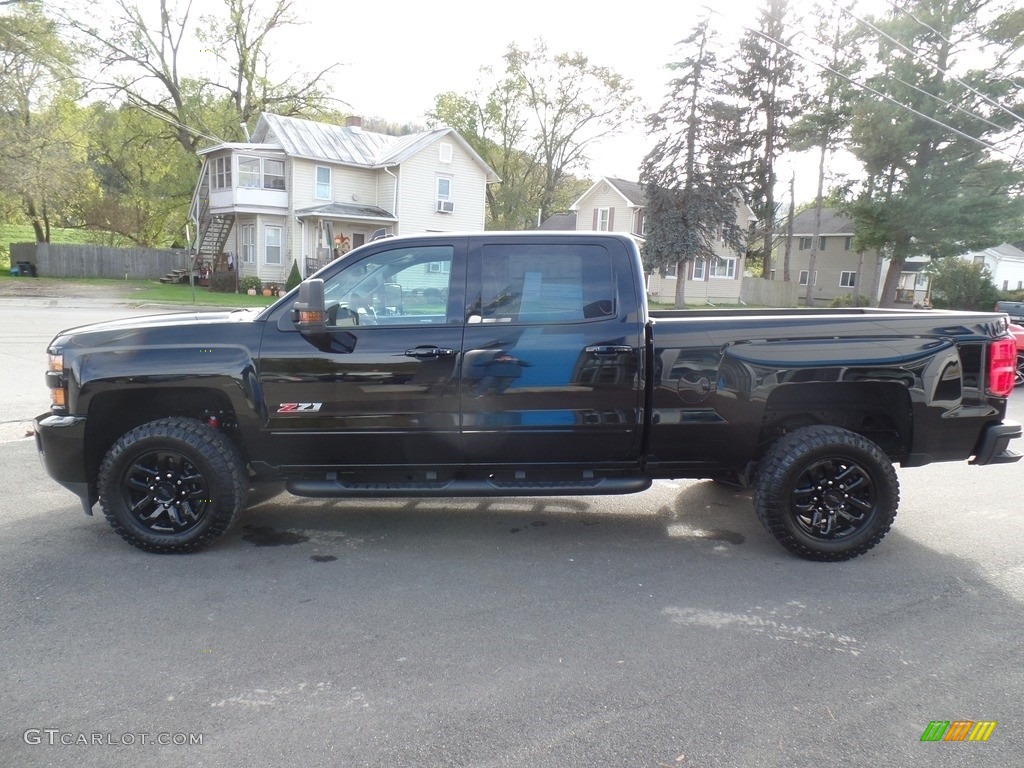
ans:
(334, 488)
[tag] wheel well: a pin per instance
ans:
(112, 414)
(880, 411)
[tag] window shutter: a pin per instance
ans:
(594, 228)
(611, 219)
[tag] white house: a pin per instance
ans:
(1005, 262)
(304, 191)
(618, 205)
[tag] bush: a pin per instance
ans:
(294, 278)
(222, 282)
(846, 300)
(961, 284)
(250, 283)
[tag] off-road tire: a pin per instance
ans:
(826, 493)
(173, 485)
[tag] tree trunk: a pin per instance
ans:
(680, 302)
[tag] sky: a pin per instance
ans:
(392, 65)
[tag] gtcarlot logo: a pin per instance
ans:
(57, 737)
(958, 730)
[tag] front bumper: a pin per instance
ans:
(993, 447)
(60, 441)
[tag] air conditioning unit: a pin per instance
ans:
(445, 206)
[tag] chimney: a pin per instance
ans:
(353, 121)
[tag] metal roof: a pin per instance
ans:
(344, 211)
(351, 145)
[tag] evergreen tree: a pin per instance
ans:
(765, 69)
(934, 133)
(689, 178)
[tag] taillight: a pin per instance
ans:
(1002, 367)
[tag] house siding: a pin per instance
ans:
(829, 263)
(417, 193)
(605, 196)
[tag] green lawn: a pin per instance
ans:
(135, 291)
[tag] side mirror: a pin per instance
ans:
(309, 312)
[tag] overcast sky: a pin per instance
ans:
(396, 57)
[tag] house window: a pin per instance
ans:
(272, 239)
(441, 267)
(803, 277)
(670, 270)
(698, 269)
(724, 268)
(444, 152)
(848, 244)
(445, 204)
(273, 174)
(322, 189)
(821, 243)
(260, 173)
(222, 173)
(603, 217)
(805, 243)
(248, 235)
(847, 279)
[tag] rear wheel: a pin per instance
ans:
(172, 485)
(1018, 378)
(826, 493)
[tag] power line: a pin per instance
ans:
(936, 67)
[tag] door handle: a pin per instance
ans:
(609, 349)
(426, 352)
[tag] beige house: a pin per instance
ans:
(838, 269)
(305, 192)
(617, 205)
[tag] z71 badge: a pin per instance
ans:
(299, 407)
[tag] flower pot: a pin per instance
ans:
(251, 291)
(266, 292)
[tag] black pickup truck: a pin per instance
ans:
(517, 364)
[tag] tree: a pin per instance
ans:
(765, 69)
(939, 179)
(826, 114)
(42, 158)
(689, 177)
(144, 60)
(145, 182)
(961, 284)
(534, 121)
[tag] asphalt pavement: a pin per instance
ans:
(660, 629)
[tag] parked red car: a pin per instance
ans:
(1018, 334)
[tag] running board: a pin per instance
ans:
(334, 488)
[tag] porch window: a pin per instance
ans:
(221, 173)
(272, 239)
(323, 183)
(260, 172)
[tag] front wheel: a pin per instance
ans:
(172, 485)
(826, 493)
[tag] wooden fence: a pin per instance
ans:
(52, 260)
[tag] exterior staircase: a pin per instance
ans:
(211, 234)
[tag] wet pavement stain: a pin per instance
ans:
(265, 536)
(322, 558)
(730, 537)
